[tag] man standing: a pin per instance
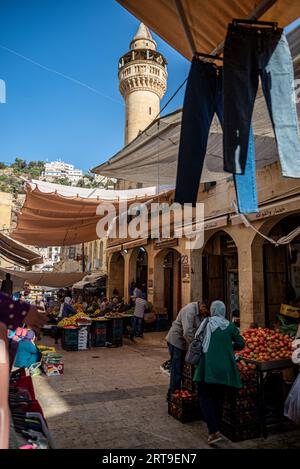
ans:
(7, 285)
(179, 337)
(138, 315)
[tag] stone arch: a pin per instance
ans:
(116, 273)
(138, 267)
(167, 281)
(271, 270)
(220, 276)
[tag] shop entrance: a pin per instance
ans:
(116, 274)
(167, 292)
(281, 269)
(220, 272)
(142, 270)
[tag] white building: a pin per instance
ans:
(51, 255)
(59, 169)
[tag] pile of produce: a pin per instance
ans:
(113, 315)
(72, 320)
(182, 394)
(100, 318)
(266, 344)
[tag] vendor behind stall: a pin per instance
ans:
(66, 309)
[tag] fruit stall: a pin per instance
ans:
(267, 373)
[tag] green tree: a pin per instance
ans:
(2, 165)
(19, 165)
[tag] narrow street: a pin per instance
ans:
(116, 398)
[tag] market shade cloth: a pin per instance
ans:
(91, 278)
(43, 279)
(207, 20)
(56, 215)
(18, 253)
(151, 158)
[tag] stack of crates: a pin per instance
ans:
(84, 337)
(184, 409)
(69, 339)
(115, 332)
(99, 333)
(240, 420)
(162, 323)
(187, 378)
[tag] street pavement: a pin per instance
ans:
(116, 398)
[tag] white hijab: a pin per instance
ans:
(217, 319)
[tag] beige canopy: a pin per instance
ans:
(206, 20)
(18, 253)
(56, 215)
(43, 279)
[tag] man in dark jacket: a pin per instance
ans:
(179, 337)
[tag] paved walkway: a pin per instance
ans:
(116, 398)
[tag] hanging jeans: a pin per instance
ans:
(203, 98)
(248, 54)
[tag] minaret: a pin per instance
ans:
(143, 82)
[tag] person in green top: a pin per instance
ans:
(217, 367)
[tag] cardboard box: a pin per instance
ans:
(54, 370)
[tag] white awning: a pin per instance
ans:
(88, 279)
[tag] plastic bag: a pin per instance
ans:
(292, 403)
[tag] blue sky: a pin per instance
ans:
(47, 116)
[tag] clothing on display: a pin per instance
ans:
(204, 98)
(250, 53)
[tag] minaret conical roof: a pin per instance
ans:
(143, 38)
(143, 33)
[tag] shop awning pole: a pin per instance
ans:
(186, 26)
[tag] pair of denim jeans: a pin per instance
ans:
(177, 357)
(203, 98)
(250, 53)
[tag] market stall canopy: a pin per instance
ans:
(206, 21)
(89, 279)
(18, 253)
(43, 279)
(151, 158)
(57, 215)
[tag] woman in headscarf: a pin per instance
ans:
(217, 367)
(27, 353)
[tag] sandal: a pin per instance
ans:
(214, 437)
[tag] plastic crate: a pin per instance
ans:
(115, 332)
(69, 339)
(162, 324)
(237, 433)
(184, 409)
(99, 333)
(189, 384)
(188, 370)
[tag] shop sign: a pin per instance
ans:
(169, 243)
(150, 283)
(270, 211)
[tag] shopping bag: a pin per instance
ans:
(195, 349)
(292, 403)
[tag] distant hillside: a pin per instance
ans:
(10, 181)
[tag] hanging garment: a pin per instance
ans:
(203, 98)
(248, 54)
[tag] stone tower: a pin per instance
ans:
(143, 82)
